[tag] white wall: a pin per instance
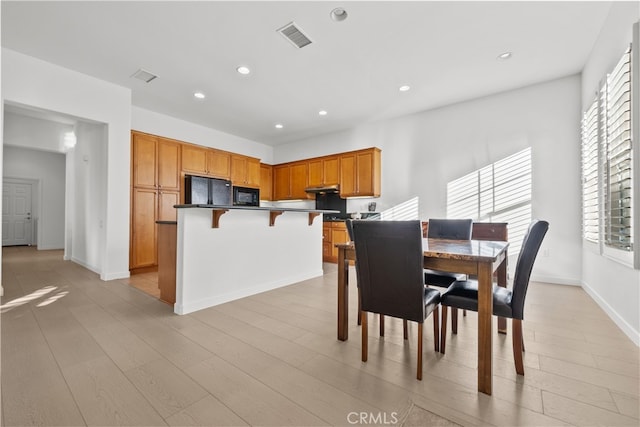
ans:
(32, 82)
(89, 196)
(49, 170)
(421, 153)
(170, 127)
(616, 287)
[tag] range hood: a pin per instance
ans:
(335, 188)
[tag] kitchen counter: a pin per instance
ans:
(230, 252)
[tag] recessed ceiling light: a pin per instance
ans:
(322, 113)
(505, 55)
(199, 95)
(338, 14)
(279, 126)
(243, 70)
(404, 88)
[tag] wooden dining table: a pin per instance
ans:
(480, 258)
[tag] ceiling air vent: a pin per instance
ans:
(144, 75)
(295, 35)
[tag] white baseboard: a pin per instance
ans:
(555, 280)
(115, 276)
(622, 324)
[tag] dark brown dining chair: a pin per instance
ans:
(451, 229)
(349, 225)
(390, 276)
(506, 303)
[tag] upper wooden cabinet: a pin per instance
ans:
(299, 175)
(156, 162)
(245, 171)
(360, 173)
(290, 180)
(168, 165)
(266, 182)
(206, 161)
(324, 171)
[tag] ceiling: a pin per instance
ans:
(445, 51)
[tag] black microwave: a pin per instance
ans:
(243, 196)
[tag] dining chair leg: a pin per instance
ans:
(454, 320)
(382, 325)
(443, 329)
(359, 308)
(365, 336)
(436, 329)
(516, 326)
(405, 329)
(464, 313)
(419, 376)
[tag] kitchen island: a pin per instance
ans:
(225, 253)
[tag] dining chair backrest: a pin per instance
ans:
(349, 224)
(530, 246)
(389, 268)
(455, 229)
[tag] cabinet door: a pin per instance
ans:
(298, 180)
(348, 175)
(253, 172)
(219, 164)
(168, 165)
(194, 159)
(166, 202)
(144, 160)
(281, 182)
(316, 173)
(331, 170)
(238, 170)
(338, 235)
(326, 242)
(364, 173)
(266, 182)
(143, 228)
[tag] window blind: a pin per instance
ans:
(619, 156)
(500, 192)
(590, 209)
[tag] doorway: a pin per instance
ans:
(17, 218)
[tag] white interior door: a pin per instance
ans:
(17, 226)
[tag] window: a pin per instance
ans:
(607, 162)
(500, 192)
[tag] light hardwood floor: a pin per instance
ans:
(80, 351)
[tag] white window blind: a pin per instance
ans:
(500, 192)
(607, 161)
(590, 208)
(619, 158)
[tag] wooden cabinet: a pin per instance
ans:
(219, 163)
(206, 161)
(266, 182)
(333, 232)
(299, 173)
(166, 202)
(143, 227)
(143, 154)
(167, 247)
(168, 165)
(326, 241)
(290, 180)
(324, 171)
(245, 171)
(155, 190)
(360, 173)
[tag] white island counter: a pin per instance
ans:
(226, 252)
